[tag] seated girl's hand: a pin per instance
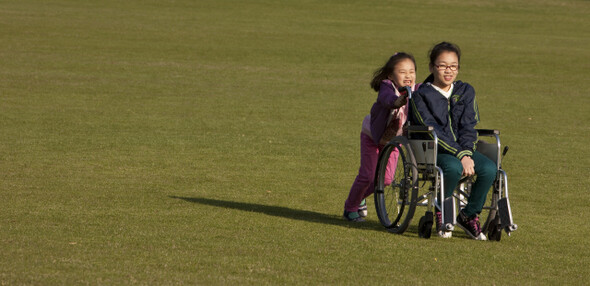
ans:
(468, 166)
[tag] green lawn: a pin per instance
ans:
(215, 141)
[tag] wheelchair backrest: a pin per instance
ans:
(424, 152)
(491, 150)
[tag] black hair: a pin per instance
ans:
(387, 69)
(439, 49)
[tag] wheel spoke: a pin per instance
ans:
(394, 205)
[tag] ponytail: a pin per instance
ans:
(430, 79)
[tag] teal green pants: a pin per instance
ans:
(486, 171)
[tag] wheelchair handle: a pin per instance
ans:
(405, 91)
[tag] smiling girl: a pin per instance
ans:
(450, 107)
(387, 117)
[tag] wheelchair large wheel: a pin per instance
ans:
(396, 203)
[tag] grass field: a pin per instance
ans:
(215, 141)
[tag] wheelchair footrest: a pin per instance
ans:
(449, 219)
(505, 213)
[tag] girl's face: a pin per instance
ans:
(445, 70)
(404, 73)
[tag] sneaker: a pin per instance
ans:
(470, 226)
(363, 208)
(439, 227)
(352, 216)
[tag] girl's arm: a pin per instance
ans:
(387, 95)
(467, 135)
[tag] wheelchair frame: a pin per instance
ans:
(396, 203)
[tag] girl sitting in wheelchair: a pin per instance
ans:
(451, 108)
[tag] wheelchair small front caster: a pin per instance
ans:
(495, 234)
(425, 225)
(495, 230)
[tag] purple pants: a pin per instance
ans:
(364, 184)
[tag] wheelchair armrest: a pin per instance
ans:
(417, 128)
(420, 132)
(488, 132)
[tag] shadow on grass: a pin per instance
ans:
(285, 212)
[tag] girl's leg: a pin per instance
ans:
(486, 174)
(452, 172)
(391, 166)
(389, 172)
(365, 177)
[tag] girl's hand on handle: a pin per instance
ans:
(403, 98)
(468, 166)
(400, 101)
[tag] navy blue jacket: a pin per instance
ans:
(453, 119)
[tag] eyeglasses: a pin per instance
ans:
(445, 67)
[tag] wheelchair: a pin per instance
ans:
(418, 181)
